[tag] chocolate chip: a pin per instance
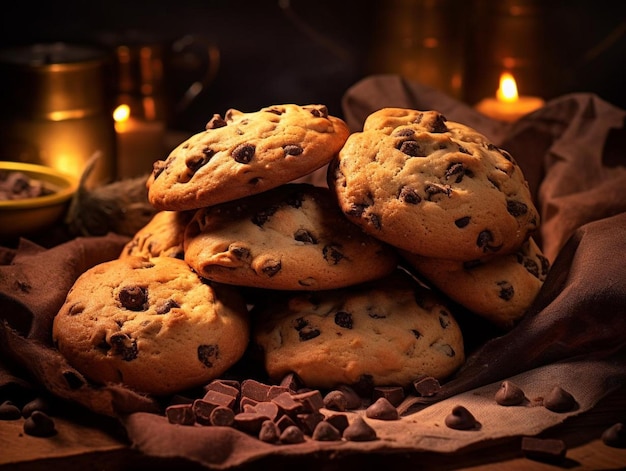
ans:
(375, 221)
(123, 345)
(411, 148)
(244, 153)
(462, 222)
(409, 195)
(357, 210)
(271, 267)
(426, 386)
(241, 253)
(484, 240)
(531, 267)
(444, 319)
(133, 298)
(219, 399)
(615, 436)
(207, 354)
(167, 306)
(39, 403)
(516, 208)
(336, 400)
(439, 124)
(308, 333)
(382, 409)
(544, 449)
(506, 290)
(339, 421)
(458, 171)
(509, 394)
(215, 122)
(326, 432)
(263, 216)
(332, 254)
(195, 162)
(222, 417)
(559, 400)
(416, 333)
(181, 414)
(343, 319)
(434, 189)
(359, 431)
(157, 168)
(292, 434)
(318, 111)
(404, 132)
(9, 411)
(39, 424)
(302, 235)
(269, 432)
(461, 419)
(463, 150)
(292, 149)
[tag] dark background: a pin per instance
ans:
(311, 51)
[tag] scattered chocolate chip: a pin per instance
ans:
(39, 424)
(375, 221)
(462, 222)
(394, 394)
(263, 216)
(457, 171)
(292, 434)
(461, 419)
(292, 149)
(439, 124)
(509, 394)
(352, 396)
(343, 319)
(339, 421)
(516, 208)
(244, 153)
(123, 345)
(302, 235)
(222, 417)
(312, 400)
(319, 111)
(484, 239)
(271, 267)
(195, 162)
(269, 432)
(359, 431)
(433, 189)
(181, 414)
(133, 298)
(308, 333)
(285, 421)
(544, 449)
(332, 254)
(409, 195)
(207, 354)
(249, 422)
(215, 122)
(559, 400)
(615, 436)
(9, 411)
(308, 421)
(157, 168)
(167, 306)
(336, 400)
(39, 403)
(357, 210)
(507, 291)
(326, 432)
(241, 253)
(287, 404)
(411, 148)
(416, 333)
(382, 409)
(426, 386)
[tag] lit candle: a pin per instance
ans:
(139, 143)
(508, 105)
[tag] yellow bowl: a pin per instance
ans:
(25, 216)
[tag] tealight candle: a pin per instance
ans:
(508, 105)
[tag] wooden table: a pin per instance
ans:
(93, 443)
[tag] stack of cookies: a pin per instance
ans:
(316, 278)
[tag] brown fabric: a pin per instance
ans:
(572, 152)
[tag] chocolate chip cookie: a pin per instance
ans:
(246, 153)
(161, 237)
(153, 325)
(500, 289)
(390, 331)
(432, 187)
(293, 237)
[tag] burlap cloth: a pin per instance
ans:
(573, 153)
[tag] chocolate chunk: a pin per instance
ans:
(509, 394)
(559, 400)
(462, 222)
(544, 449)
(244, 153)
(382, 409)
(409, 195)
(439, 124)
(275, 390)
(332, 254)
(615, 436)
(9, 411)
(292, 149)
(308, 421)
(364, 386)
(249, 422)
(291, 381)
(227, 387)
(39, 403)
(255, 390)
(124, 346)
(181, 414)
(292, 434)
(326, 432)
(302, 235)
(269, 432)
(268, 409)
(343, 319)
(359, 431)
(411, 148)
(339, 421)
(352, 396)
(426, 386)
(336, 400)
(222, 416)
(133, 298)
(215, 122)
(207, 354)
(285, 421)
(219, 399)
(312, 400)
(506, 290)
(167, 306)
(394, 394)
(461, 419)
(516, 208)
(202, 411)
(39, 424)
(287, 404)
(271, 267)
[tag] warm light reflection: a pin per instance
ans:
(508, 88)
(121, 113)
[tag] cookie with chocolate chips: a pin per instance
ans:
(162, 236)
(391, 331)
(293, 237)
(500, 289)
(432, 187)
(246, 153)
(153, 325)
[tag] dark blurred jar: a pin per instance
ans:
(56, 108)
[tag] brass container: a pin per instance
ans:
(57, 101)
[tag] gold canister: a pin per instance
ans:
(57, 101)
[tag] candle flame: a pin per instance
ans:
(121, 113)
(508, 88)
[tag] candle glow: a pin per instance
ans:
(508, 105)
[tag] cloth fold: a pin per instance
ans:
(572, 154)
